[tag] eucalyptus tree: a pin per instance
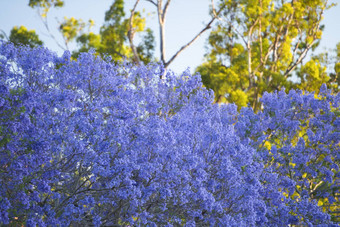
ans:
(257, 46)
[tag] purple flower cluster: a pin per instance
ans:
(91, 142)
(297, 136)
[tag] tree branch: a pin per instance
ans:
(250, 33)
(228, 22)
(208, 26)
(293, 65)
(152, 2)
(44, 21)
(131, 34)
(161, 21)
(165, 9)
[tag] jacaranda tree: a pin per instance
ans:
(298, 137)
(95, 142)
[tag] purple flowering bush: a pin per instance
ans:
(91, 142)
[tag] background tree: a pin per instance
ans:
(116, 36)
(257, 46)
(324, 66)
(22, 36)
(113, 38)
(161, 12)
(116, 29)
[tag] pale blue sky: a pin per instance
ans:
(185, 19)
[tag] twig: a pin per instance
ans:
(44, 21)
(155, 4)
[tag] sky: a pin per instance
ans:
(184, 20)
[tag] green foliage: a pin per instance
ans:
(114, 32)
(147, 47)
(258, 45)
(323, 67)
(116, 12)
(226, 84)
(46, 3)
(311, 74)
(113, 36)
(70, 28)
(86, 42)
(22, 36)
(114, 40)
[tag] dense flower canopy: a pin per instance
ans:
(95, 142)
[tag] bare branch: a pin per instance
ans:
(285, 35)
(165, 9)
(296, 48)
(249, 46)
(276, 45)
(161, 22)
(316, 187)
(131, 34)
(260, 34)
(264, 61)
(293, 64)
(62, 35)
(208, 26)
(152, 2)
(45, 23)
